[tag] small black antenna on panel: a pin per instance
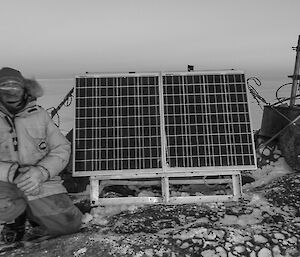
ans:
(190, 67)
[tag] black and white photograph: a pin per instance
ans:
(150, 128)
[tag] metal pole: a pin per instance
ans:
(55, 111)
(295, 75)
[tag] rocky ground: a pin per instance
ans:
(266, 223)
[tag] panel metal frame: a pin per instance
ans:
(166, 173)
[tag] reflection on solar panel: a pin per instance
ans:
(123, 121)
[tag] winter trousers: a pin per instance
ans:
(55, 213)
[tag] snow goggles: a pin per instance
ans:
(11, 87)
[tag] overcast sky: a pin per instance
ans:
(64, 38)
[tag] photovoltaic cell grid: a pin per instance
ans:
(117, 122)
(117, 125)
(207, 121)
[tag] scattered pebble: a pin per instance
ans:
(260, 239)
(279, 236)
(185, 245)
(209, 253)
(264, 252)
(239, 249)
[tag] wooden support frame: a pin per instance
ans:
(98, 183)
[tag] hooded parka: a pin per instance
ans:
(30, 137)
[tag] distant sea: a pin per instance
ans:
(55, 91)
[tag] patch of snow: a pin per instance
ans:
(147, 193)
(86, 218)
(268, 173)
(80, 252)
(100, 214)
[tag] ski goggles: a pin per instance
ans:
(11, 87)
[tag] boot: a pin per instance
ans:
(14, 232)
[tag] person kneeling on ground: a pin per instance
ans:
(33, 152)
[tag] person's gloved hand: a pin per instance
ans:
(30, 179)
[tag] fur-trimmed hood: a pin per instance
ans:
(32, 88)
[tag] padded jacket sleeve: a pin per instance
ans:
(4, 169)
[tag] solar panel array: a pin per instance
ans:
(122, 122)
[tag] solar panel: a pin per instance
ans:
(117, 123)
(161, 122)
(207, 120)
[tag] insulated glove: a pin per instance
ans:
(30, 179)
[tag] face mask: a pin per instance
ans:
(12, 95)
